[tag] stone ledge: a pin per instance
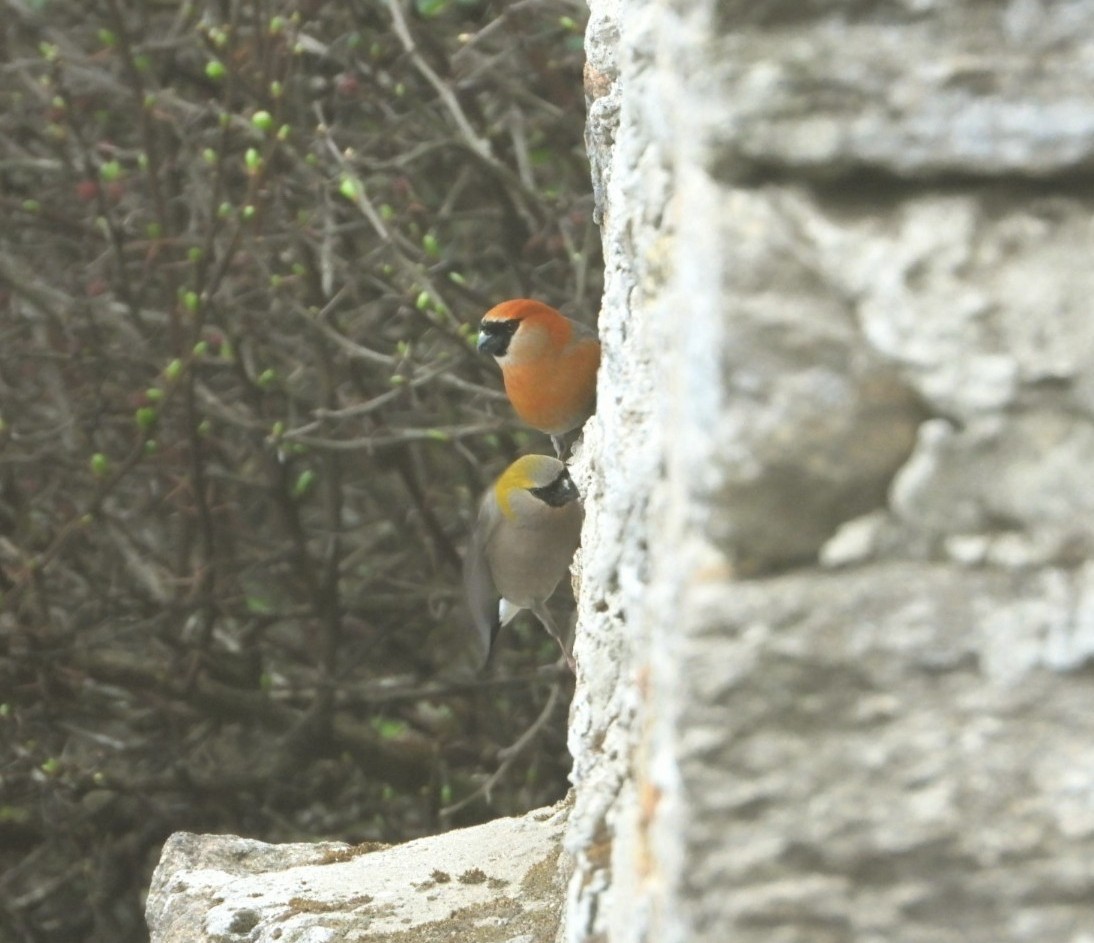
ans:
(487, 884)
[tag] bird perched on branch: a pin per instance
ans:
(528, 528)
(548, 363)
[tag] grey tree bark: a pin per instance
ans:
(837, 599)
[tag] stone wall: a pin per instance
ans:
(837, 590)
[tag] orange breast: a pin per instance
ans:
(558, 393)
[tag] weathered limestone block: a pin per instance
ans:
(813, 422)
(619, 469)
(902, 752)
(845, 329)
(496, 883)
(836, 615)
(917, 88)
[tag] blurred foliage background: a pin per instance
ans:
(243, 426)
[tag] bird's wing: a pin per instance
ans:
(582, 332)
(478, 584)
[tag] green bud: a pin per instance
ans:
(153, 394)
(262, 120)
(303, 483)
(111, 170)
(173, 370)
(215, 70)
(146, 417)
(388, 728)
(349, 188)
(100, 465)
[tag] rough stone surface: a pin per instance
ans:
(908, 756)
(919, 88)
(836, 613)
(619, 469)
(495, 883)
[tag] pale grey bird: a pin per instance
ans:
(528, 528)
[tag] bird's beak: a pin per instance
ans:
(493, 344)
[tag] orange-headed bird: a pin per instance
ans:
(528, 528)
(548, 363)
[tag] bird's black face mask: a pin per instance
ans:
(494, 336)
(559, 492)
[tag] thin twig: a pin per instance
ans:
(477, 144)
(509, 755)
